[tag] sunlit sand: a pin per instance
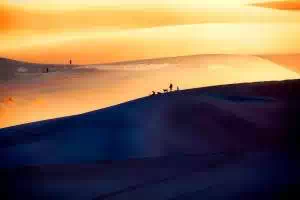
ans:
(31, 95)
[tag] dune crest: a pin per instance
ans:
(74, 89)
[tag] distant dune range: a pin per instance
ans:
(9, 68)
(29, 94)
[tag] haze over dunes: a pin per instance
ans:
(91, 32)
(149, 99)
(69, 90)
(291, 61)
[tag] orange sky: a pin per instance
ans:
(282, 5)
(53, 31)
(101, 31)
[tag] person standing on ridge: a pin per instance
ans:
(171, 87)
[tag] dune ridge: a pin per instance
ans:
(74, 89)
(234, 141)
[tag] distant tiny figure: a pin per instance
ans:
(153, 93)
(171, 87)
(165, 90)
(177, 88)
(47, 70)
(70, 62)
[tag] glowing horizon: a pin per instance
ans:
(49, 31)
(57, 4)
(95, 32)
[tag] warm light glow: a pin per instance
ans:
(40, 35)
(101, 31)
(59, 94)
(57, 4)
(109, 46)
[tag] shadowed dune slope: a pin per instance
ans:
(223, 142)
(254, 115)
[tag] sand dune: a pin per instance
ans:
(290, 61)
(252, 115)
(69, 90)
(230, 141)
(10, 69)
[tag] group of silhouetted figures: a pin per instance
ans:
(170, 89)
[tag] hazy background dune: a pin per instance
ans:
(290, 61)
(225, 33)
(221, 142)
(28, 94)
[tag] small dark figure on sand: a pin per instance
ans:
(171, 87)
(70, 62)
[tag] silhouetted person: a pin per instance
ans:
(153, 93)
(70, 62)
(177, 88)
(47, 70)
(171, 87)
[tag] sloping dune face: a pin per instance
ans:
(73, 90)
(226, 142)
(251, 117)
